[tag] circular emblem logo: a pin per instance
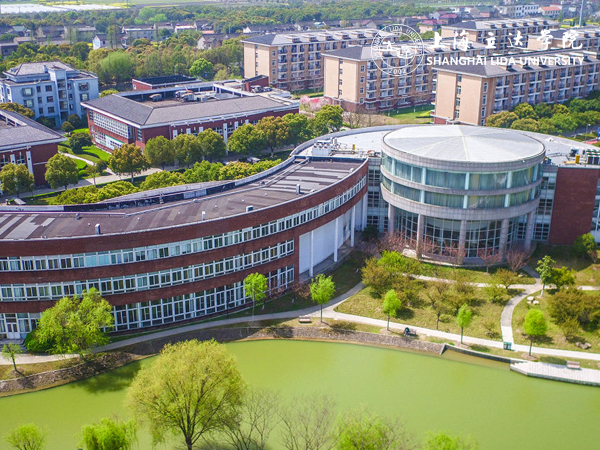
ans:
(397, 50)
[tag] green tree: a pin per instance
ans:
(255, 287)
(503, 119)
(246, 140)
(505, 277)
(26, 437)
(463, 318)
(546, 126)
(275, 132)
(9, 351)
(439, 294)
(361, 430)
(444, 441)
(127, 158)
(92, 171)
(535, 325)
(298, 130)
(525, 111)
(162, 179)
(543, 110)
(75, 120)
(564, 123)
(160, 151)
(61, 171)
(74, 325)
(192, 389)
(109, 434)
(16, 178)
(545, 267)
(67, 127)
(525, 125)
(322, 290)
(20, 109)
(80, 50)
(79, 140)
(391, 305)
(585, 245)
(108, 92)
(188, 149)
(118, 66)
(212, 144)
(201, 68)
(559, 108)
(562, 277)
(328, 119)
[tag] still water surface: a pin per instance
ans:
(502, 410)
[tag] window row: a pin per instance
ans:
(148, 253)
(459, 201)
(458, 180)
(109, 124)
(147, 281)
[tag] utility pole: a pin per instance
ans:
(581, 13)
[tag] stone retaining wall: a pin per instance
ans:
(234, 334)
(465, 351)
(85, 370)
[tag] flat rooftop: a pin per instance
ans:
(272, 190)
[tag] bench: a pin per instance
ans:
(573, 365)
(409, 333)
(304, 319)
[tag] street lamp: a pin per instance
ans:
(586, 130)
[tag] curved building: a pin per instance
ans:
(182, 254)
(461, 191)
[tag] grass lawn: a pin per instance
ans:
(412, 114)
(588, 273)
(7, 371)
(485, 314)
(555, 337)
(81, 130)
(91, 153)
(474, 275)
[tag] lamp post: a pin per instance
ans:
(586, 130)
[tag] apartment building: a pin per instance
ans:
(355, 82)
(50, 89)
(294, 61)
(587, 38)
(470, 93)
(503, 34)
(518, 10)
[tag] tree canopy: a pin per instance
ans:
(535, 325)
(26, 437)
(127, 159)
(109, 434)
(16, 178)
(61, 171)
(192, 390)
(322, 290)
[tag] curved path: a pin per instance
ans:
(329, 312)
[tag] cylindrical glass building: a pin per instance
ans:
(461, 192)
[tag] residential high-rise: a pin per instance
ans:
(294, 61)
(470, 93)
(50, 89)
(354, 80)
(504, 34)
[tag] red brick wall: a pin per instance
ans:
(573, 204)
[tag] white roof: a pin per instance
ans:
(462, 143)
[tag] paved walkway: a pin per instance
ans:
(330, 313)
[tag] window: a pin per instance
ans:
(50, 99)
(27, 92)
(484, 100)
(28, 103)
(51, 110)
(84, 86)
(458, 90)
(458, 78)
(84, 97)
(458, 102)
(362, 90)
(482, 112)
(362, 79)
(48, 88)
(485, 87)
(362, 68)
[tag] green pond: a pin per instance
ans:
(502, 410)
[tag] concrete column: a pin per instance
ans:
(364, 211)
(420, 229)
(462, 238)
(352, 225)
(503, 237)
(311, 267)
(529, 230)
(391, 218)
(335, 239)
